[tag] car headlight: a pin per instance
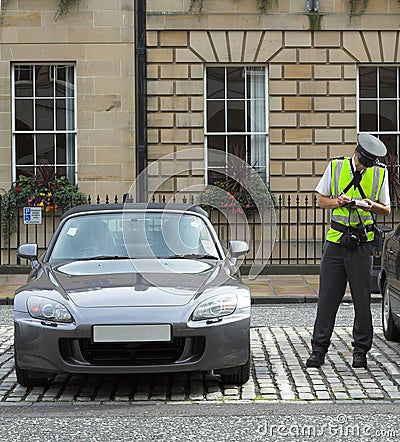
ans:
(216, 307)
(47, 309)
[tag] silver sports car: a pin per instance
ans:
(136, 288)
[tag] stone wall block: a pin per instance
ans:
(299, 71)
(282, 152)
(313, 119)
(284, 56)
(354, 44)
(339, 56)
(283, 184)
(271, 44)
(219, 41)
(236, 41)
(298, 39)
(189, 87)
(313, 87)
(313, 56)
(174, 38)
(342, 119)
(297, 103)
(329, 71)
(373, 45)
(280, 87)
(308, 184)
(183, 55)
(344, 87)
(328, 135)
(327, 104)
(286, 119)
(298, 135)
(160, 87)
(201, 45)
(299, 167)
(327, 39)
(389, 45)
(253, 39)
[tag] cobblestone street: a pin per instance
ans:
(278, 374)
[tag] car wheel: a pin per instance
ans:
(30, 378)
(390, 330)
(236, 376)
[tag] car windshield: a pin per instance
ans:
(134, 235)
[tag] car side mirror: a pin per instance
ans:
(28, 251)
(238, 248)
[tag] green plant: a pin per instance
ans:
(263, 5)
(41, 190)
(62, 7)
(4, 5)
(393, 177)
(196, 4)
(361, 5)
(241, 190)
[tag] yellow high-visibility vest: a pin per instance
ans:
(371, 184)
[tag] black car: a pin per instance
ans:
(389, 285)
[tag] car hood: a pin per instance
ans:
(129, 283)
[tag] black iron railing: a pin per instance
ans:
(290, 233)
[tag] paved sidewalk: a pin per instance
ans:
(265, 289)
(278, 374)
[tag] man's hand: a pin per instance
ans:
(342, 200)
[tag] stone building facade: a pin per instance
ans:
(97, 40)
(312, 62)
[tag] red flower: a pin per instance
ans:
(17, 188)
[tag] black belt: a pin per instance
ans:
(343, 229)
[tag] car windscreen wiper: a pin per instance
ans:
(102, 257)
(189, 256)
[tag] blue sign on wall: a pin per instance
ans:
(32, 215)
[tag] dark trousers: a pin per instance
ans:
(339, 265)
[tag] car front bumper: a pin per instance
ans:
(69, 348)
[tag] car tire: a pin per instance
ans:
(236, 376)
(390, 330)
(29, 378)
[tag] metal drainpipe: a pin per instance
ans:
(140, 110)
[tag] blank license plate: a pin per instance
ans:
(131, 333)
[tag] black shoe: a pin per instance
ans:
(359, 360)
(316, 359)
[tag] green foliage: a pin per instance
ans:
(196, 4)
(358, 6)
(241, 190)
(222, 194)
(262, 5)
(4, 4)
(42, 190)
(393, 177)
(62, 7)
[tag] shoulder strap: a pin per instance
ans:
(358, 185)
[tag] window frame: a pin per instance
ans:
(378, 132)
(246, 133)
(73, 175)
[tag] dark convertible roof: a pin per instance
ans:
(136, 206)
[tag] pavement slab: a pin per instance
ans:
(264, 288)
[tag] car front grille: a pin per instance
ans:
(131, 353)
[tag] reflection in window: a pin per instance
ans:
(236, 110)
(44, 128)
